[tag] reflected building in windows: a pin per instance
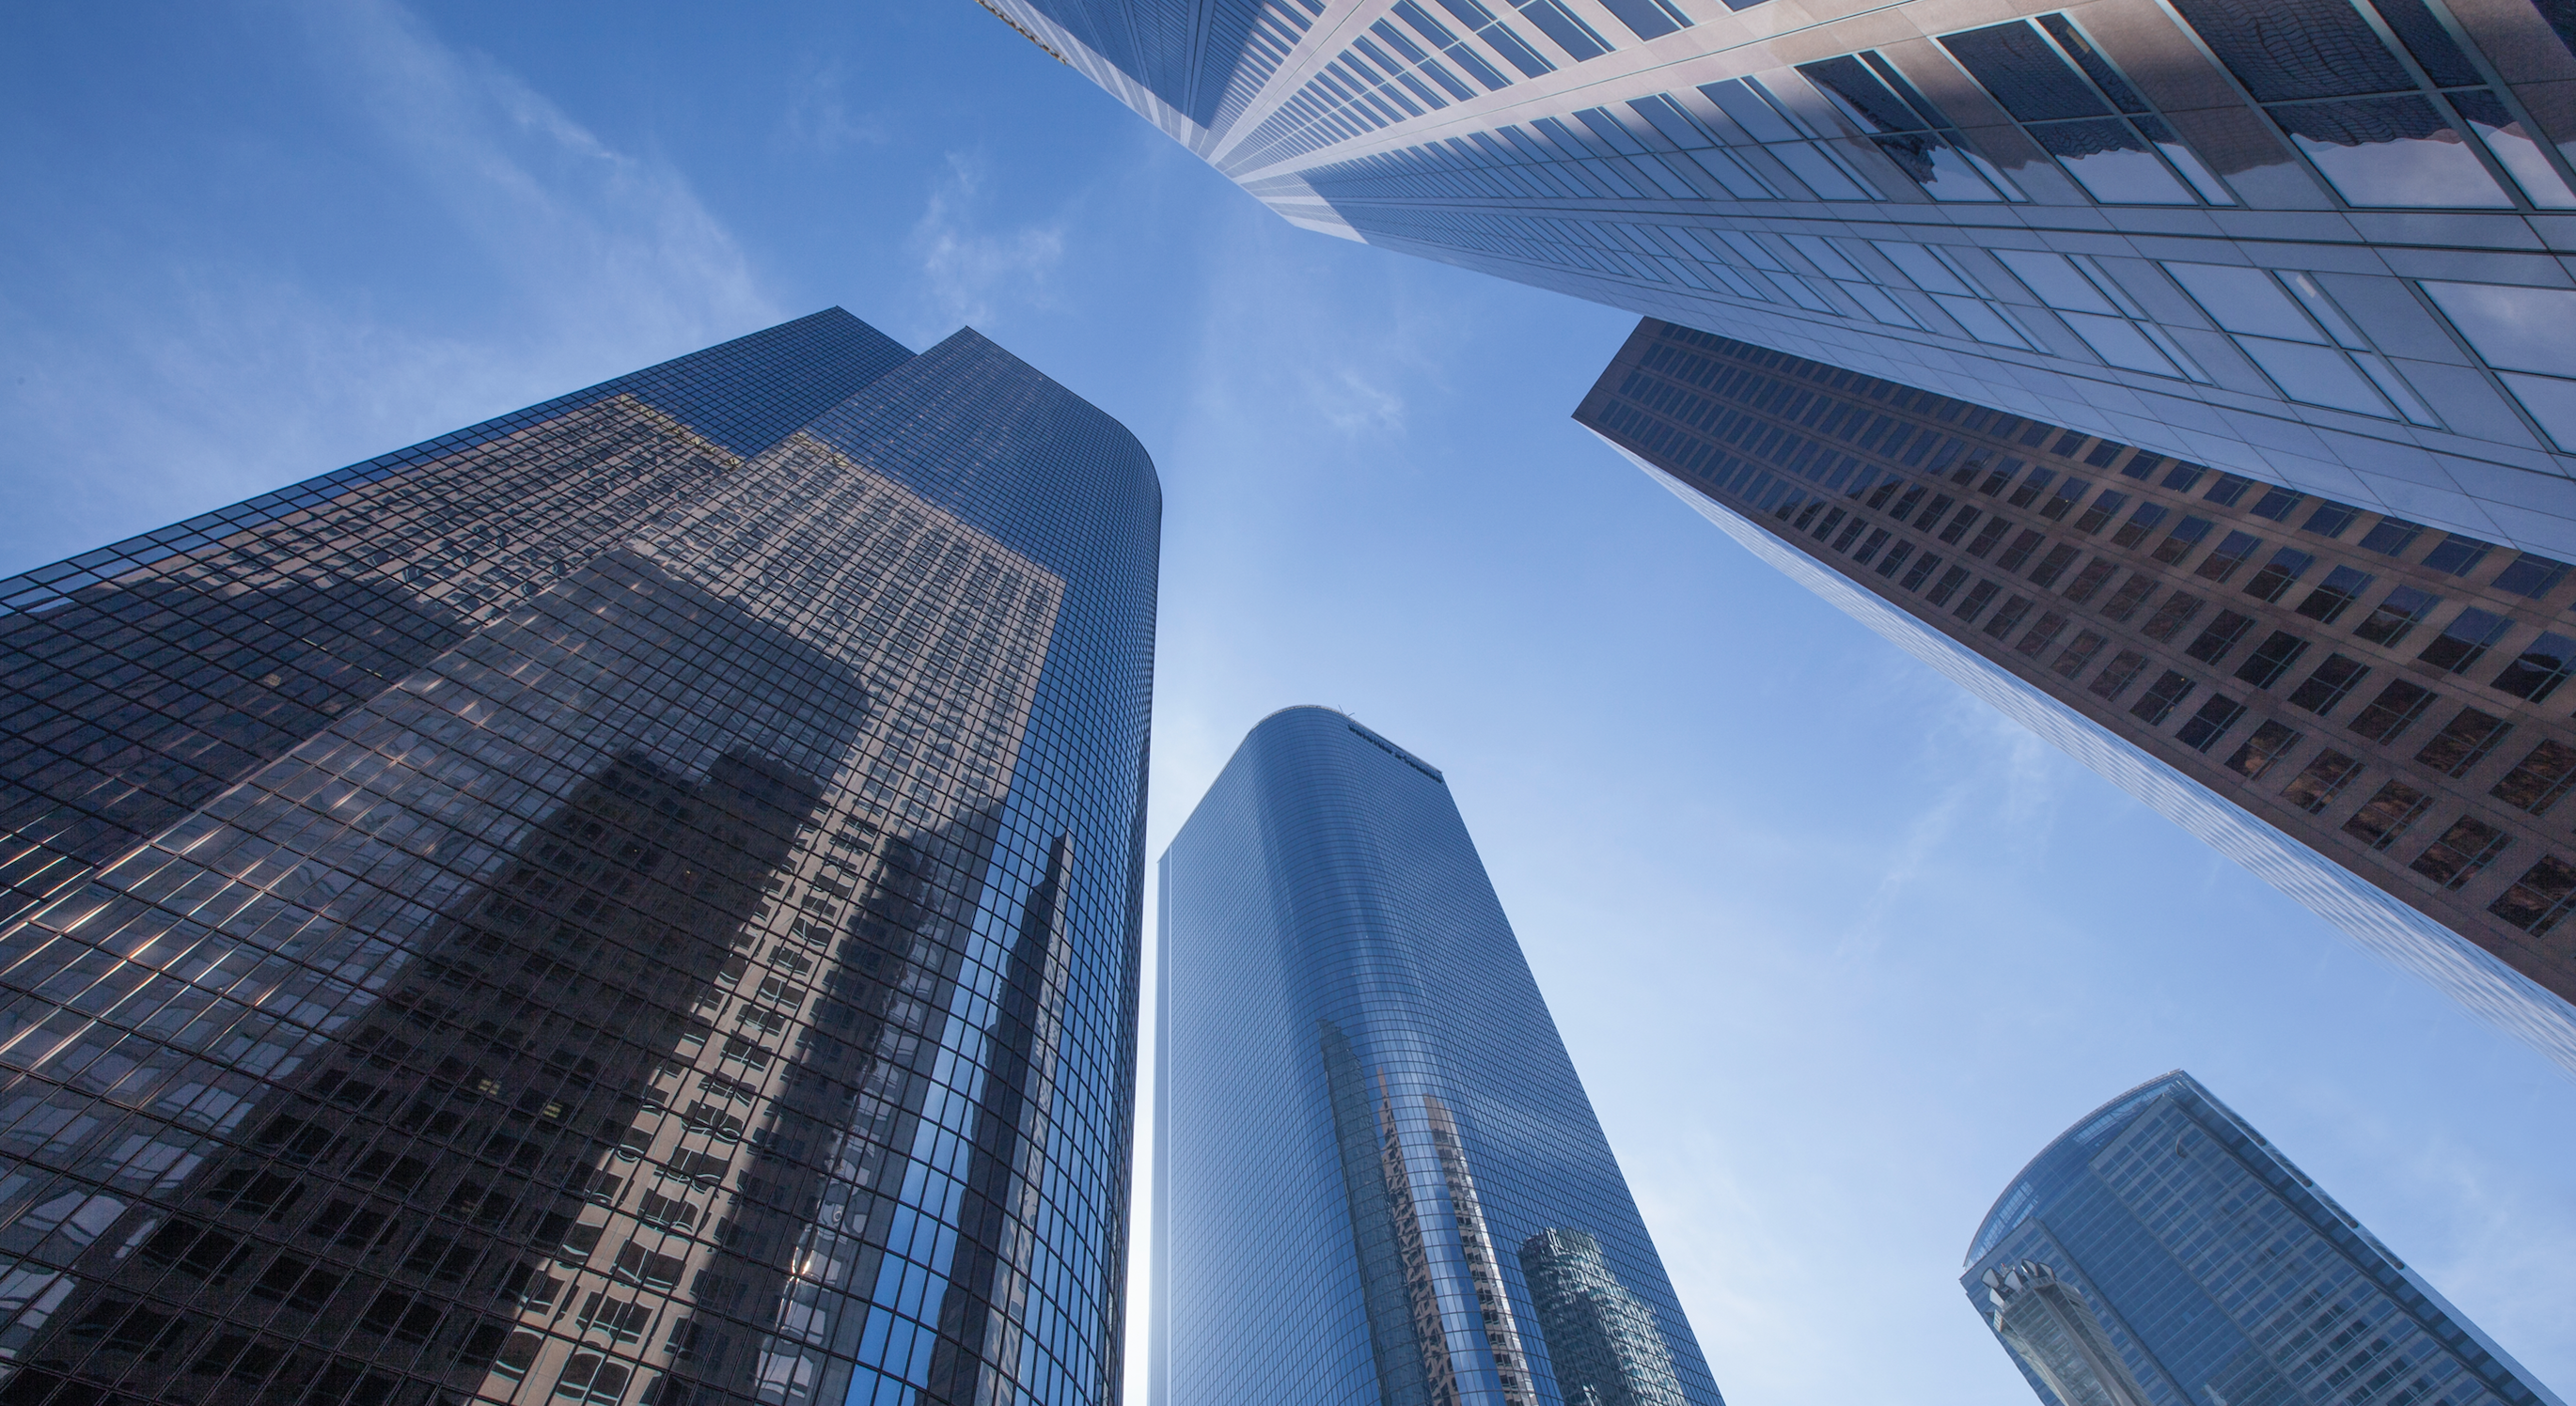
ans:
(510, 920)
(2367, 712)
(2303, 241)
(1377, 1177)
(2162, 1253)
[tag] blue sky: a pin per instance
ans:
(1835, 948)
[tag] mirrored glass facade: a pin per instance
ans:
(1378, 1179)
(636, 901)
(2313, 242)
(2162, 1253)
(2364, 710)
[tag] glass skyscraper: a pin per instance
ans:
(2365, 711)
(635, 901)
(2162, 1253)
(2310, 242)
(1378, 1179)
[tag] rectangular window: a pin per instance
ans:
(2132, 594)
(2104, 508)
(2393, 711)
(2068, 494)
(2469, 846)
(2228, 491)
(2327, 603)
(2519, 331)
(2386, 815)
(2014, 609)
(2089, 581)
(2101, 132)
(2158, 702)
(2175, 549)
(2272, 659)
(2458, 555)
(2465, 640)
(2396, 615)
(2271, 741)
(2053, 565)
(2217, 714)
(1951, 581)
(1869, 549)
(2123, 671)
(2277, 504)
(1912, 132)
(2097, 309)
(1976, 600)
(2043, 634)
(2171, 616)
(1895, 558)
(2314, 789)
(1851, 530)
(1988, 536)
(2538, 780)
(2539, 898)
(2028, 492)
(1924, 566)
(2286, 566)
(2220, 637)
(2071, 660)
(2391, 536)
(2463, 742)
(2542, 666)
(2146, 519)
(1966, 519)
(2018, 552)
(2533, 576)
(2232, 551)
(2328, 685)
(2331, 518)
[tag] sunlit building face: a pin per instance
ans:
(580, 910)
(2306, 241)
(1377, 1178)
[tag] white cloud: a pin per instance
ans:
(972, 274)
(818, 116)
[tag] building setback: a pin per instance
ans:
(1378, 1179)
(2162, 1253)
(2311, 242)
(512, 919)
(2367, 712)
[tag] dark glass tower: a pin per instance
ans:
(635, 901)
(2366, 712)
(2161, 1253)
(1378, 1179)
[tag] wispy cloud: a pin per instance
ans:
(818, 113)
(971, 273)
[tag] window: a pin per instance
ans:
(2103, 510)
(2088, 582)
(2158, 702)
(2529, 575)
(2053, 565)
(2330, 519)
(2360, 117)
(2527, 336)
(2068, 494)
(2071, 660)
(2465, 640)
(2272, 658)
(2458, 555)
(2042, 635)
(2393, 711)
(592, 1377)
(2175, 613)
(2542, 666)
(2300, 339)
(2538, 780)
(2085, 114)
(1924, 566)
(1959, 525)
(2277, 503)
(2396, 615)
(1459, 52)
(2232, 551)
(2327, 603)
(2287, 565)
(2270, 742)
(2220, 637)
(2386, 815)
(2146, 519)
(1504, 40)
(2315, 788)
(1941, 275)
(1976, 600)
(2014, 609)
(2539, 898)
(2116, 678)
(2228, 491)
(2132, 594)
(2217, 714)
(2391, 536)
(2029, 491)
(1908, 130)
(2328, 685)
(1989, 535)
(2100, 311)
(2019, 552)
(2462, 851)
(1752, 114)
(2463, 742)
(2176, 548)
(1649, 19)
(1948, 585)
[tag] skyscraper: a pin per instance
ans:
(2162, 1253)
(2362, 710)
(1377, 1177)
(2306, 241)
(636, 901)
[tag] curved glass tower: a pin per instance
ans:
(2161, 1253)
(636, 901)
(1378, 1178)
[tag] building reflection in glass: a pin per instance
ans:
(1367, 1107)
(557, 1001)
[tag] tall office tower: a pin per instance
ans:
(636, 901)
(2364, 711)
(2161, 1253)
(1377, 1178)
(2308, 241)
